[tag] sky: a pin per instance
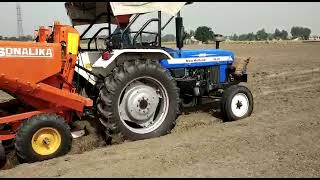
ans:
(224, 18)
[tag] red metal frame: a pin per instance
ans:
(21, 116)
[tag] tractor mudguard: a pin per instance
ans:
(104, 67)
(124, 54)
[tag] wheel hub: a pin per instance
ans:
(240, 104)
(143, 105)
(140, 102)
(46, 141)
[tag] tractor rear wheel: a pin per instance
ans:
(139, 100)
(236, 103)
(3, 158)
(43, 137)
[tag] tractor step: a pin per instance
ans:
(216, 100)
(78, 133)
(216, 110)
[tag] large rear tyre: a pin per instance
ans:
(43, 137)
(139, 100)
(3, 158)
(236, 103)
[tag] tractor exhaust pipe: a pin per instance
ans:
(218, 38)
(179, 31)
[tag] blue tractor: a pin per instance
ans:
(138, 86)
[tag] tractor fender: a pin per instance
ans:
(120, 56)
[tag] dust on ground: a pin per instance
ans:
(280, 139)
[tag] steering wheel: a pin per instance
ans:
(151, 44)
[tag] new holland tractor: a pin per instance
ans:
(134, 88)
(139, 87)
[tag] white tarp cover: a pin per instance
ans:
(84, 12)
(121, 8)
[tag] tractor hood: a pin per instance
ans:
(82, 13)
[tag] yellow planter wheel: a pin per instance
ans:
(43, 137)
(46, 141)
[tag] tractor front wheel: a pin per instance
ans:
(236, 103)
(43, 137)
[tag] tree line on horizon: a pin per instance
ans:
(205, 34)
(262, 35)
(13, 38)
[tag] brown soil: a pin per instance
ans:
(280, 139)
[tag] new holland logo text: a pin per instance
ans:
(197, 60)
(25, 52)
